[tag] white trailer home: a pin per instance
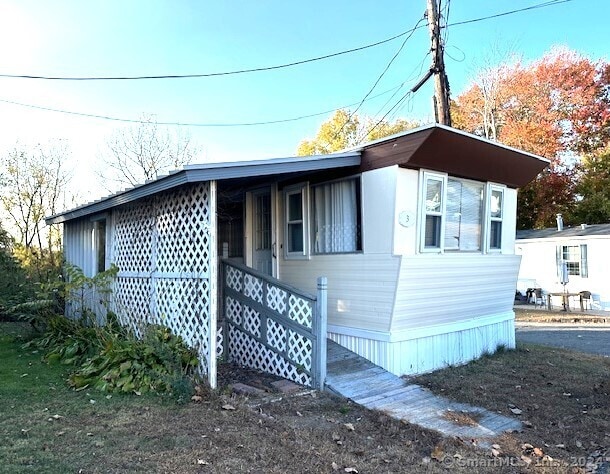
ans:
(584, 248)
(415, 234)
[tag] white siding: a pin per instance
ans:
(539, 267)
(405, 237)
(449, 344)
(509, 223)
(361, 287)
(378, 204)
(79, 245)
(442, 288)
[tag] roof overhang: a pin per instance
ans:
(444, 149)
(212, 172)
(434, 147)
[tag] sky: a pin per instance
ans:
(155, 37)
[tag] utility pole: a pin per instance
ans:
(441, 84)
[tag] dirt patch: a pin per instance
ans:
(562, 397)
(529, 315)
(462, 418)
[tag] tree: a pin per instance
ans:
(344, 130)
(593, 190)
(556, 107)
(33, 186)
(143, 152)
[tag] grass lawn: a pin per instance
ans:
(46, 427)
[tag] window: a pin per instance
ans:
(496, 201)
(463, 215)
(336, 217)
(575, 257)
(459, 214)
(295, 238)
(99, 227)
(433, 210)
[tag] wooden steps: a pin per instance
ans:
(371, 386)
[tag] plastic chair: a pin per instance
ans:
(585, 296)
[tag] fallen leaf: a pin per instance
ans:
(202, 462)
(528, 423)
(92, 401)
(526, 446)
(349, 426)
(437, 453)
(351, 469)
(495, 453)
(516, 411)
(526, 460)
(196, 398)
(538, 452)
(57, 417)
(336, 437)
(228, 407)
(495, 446)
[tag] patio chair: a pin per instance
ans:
(585, 296)
(538, 298)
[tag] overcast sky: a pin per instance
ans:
(147, 37)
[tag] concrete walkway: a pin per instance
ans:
(367, 384)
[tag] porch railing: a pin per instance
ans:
(274, 327)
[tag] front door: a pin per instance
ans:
(262, 233)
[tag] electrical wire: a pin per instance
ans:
(351, 114)
(270, 68)
(497, 15)
(211, 74)
(191, 124)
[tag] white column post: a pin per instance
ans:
(321, 312)
(213, 286)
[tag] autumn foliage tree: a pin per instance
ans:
(557, 107)
(345, 130)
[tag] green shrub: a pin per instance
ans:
(111, 359)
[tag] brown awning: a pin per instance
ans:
(456, 153)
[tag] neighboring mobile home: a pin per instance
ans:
(415, 234)
(585, 249)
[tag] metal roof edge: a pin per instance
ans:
(209, 172)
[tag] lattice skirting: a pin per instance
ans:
(247, 351)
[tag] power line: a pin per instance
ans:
(268, 68)
(191, 124)
(211, 74)
(497, 15)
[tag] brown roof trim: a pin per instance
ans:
(451, 151)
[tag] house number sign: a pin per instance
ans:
(406, 219)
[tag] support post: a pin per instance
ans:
(213, 282)
(321, 324)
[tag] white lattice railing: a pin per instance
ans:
(273, 327)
